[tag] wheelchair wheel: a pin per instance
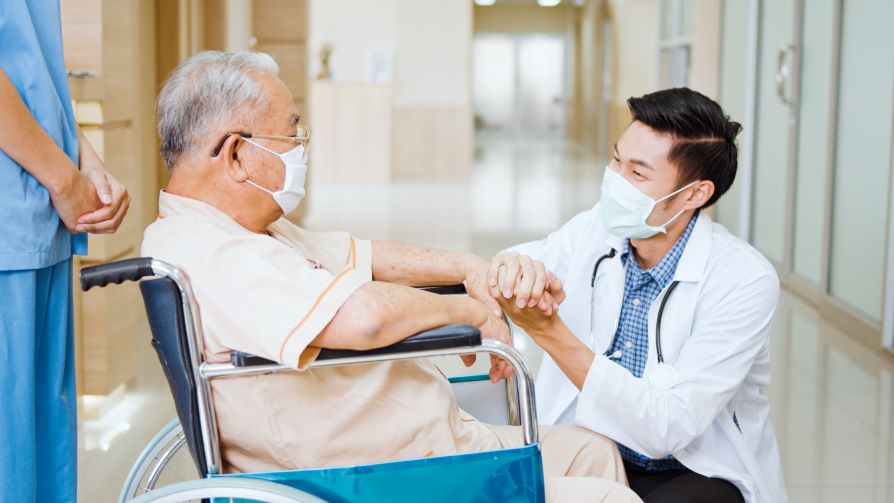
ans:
(229, 489)
(163, 462)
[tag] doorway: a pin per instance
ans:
(519, 83)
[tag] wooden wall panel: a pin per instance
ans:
(280, 20)
(292, 60)
(110, 319)
(82, 34)
(108, 35)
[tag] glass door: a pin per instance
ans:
(819, 205)
(815, 148)
(770, 197)
(519, 83)
(494, 81)
(541, 83)
(861, 193)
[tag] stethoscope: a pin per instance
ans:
(662, 375)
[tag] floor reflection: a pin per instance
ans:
(831, 396)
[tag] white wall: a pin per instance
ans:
(430, 45)
(238, 25)
(433, 59)
(353, 28)
(430, 41)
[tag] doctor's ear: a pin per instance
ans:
(699, 194)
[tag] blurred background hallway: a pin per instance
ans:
(473, 126)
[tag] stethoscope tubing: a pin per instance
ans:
(664, 300)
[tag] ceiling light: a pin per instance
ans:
(485, 2)
(548, 3)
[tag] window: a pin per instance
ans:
(674, 43)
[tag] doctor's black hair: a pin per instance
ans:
(704, 137)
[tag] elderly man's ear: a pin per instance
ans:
(230, 159)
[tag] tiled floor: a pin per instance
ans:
(833, 399)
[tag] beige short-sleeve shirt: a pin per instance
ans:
(271, 295)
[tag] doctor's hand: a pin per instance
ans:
(532, 321)
(526, 281)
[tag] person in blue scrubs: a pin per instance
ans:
(53, 189)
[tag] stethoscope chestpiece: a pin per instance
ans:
(662, 376)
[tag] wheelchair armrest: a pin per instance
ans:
(446, 337)
(459, 289)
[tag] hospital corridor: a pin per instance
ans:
(665, 228)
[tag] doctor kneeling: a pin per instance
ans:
(662, 342)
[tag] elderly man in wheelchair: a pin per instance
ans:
(236, 152)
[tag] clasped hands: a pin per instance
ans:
(522, 288)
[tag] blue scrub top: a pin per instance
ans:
(31, 234)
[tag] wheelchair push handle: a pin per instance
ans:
(118, 272)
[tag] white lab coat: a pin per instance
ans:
(715, 333)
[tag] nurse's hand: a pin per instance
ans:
(526, 281)
(115, 202)
(73, 198)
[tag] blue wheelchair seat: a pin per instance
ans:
(504, 475)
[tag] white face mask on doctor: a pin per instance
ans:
(624, 209)
(289, 197)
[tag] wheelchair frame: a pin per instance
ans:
(203, 372)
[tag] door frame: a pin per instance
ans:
(746, 177)
(888, 296)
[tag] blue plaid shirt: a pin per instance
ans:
(632, 339)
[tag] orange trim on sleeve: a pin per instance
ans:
(316, 304)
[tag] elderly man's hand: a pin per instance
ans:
(477, 287)
(494, 328)
(526, 281)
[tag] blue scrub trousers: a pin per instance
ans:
(38, 415)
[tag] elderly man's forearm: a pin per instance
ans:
(379, 314)
(416, 265)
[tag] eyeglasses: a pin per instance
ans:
(301, 137)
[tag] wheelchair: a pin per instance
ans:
(514, 474)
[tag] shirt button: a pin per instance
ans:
(628, 344)
(636, 302)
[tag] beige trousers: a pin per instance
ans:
(578, 465)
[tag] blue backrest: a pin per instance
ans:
(168, 324)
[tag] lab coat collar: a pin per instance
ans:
(695, 256)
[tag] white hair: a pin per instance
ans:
(204, 92)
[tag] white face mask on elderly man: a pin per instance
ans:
(292, 192)
(624, 209)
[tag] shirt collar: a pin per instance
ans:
(664, 271)
(171, 205)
